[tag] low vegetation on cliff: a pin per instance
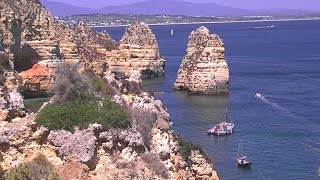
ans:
(3, 63)
(77, 102)
(153, 162)
(185, 148)
(38, 168)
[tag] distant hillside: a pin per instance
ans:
(174, 8)
(167, 7)
(61, 9)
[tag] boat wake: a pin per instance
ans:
(274, 105)
(263, 27)
(158, 93)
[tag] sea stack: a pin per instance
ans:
(204, 69)
(138, 50)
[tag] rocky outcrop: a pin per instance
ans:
(79, 146)
(137, 50)
(97, 153)
(11, 101)
(204, 69)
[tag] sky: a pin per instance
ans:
(313, 5)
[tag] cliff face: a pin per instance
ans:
(204, 69)
(27, 35)
(37, 43)
(11, 101)
(97, 153)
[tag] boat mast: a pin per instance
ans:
(227, 116)
(239, 153)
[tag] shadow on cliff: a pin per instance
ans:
(25, 58)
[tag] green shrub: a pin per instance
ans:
(102, 86)
(113, 115)
(4, 59)
(70, 84)
(69, 114)
(185, 148)
(1, 174)
(37, 169)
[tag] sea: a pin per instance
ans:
(281, 132)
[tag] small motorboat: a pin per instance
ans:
(225, 127)
(241, 160)
(259, 95)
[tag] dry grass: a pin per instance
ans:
(37, 169)
(145, 121)
(154, 163)
(70, 84)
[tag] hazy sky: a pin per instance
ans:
(244, 4)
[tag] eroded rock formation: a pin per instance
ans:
(98, 153)
(33, 44)
(204, 69)
(137, 50)
(34, 40)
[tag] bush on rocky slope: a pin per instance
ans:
(1, 174)
(39, 168)
(102, 87)
(185, 148)
(70, 114)
(3, 62)
(70, 84)
(75, 103)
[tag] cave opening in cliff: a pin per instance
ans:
(25, 58)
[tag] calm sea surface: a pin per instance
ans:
(283, 63)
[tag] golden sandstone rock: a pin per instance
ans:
(203, 69)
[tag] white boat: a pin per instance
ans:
(259, 95)
(172, 32)
(241, 160)
(223, 128)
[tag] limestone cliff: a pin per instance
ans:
(98, 153)
(204, 69)
(36, 42)
(27, 35)
(137, 50)
(11, 102)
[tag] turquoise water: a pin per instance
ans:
(283, 63)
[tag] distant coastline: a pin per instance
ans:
(218, 22)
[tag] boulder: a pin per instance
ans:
(74, 147)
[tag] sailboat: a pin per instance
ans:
(225, 127)
(241, 160)
(172, 32)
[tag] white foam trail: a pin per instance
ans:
(159, 93)
(263, 27)
(277, 106)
